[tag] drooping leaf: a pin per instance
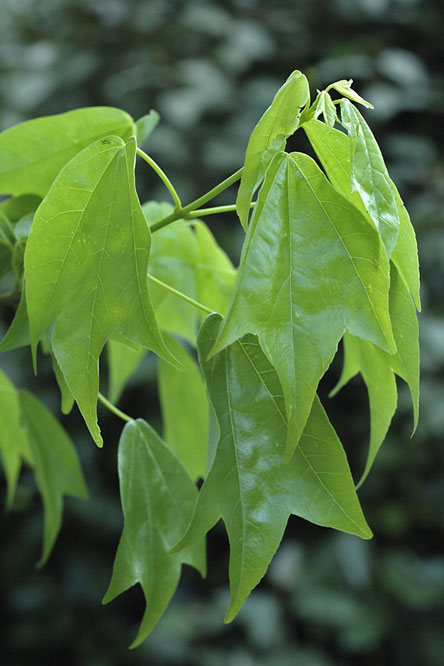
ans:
(86, 266)
(13, 441)
(56, 465)
(312, 267)
(333, 149)
(378, 368)
(344, 87)
(173, 261)
(369, 175)
(145, 125)
(67, 398)
(17, 334)
(215, 274)
(123, 359)
(157, 501)
(248, 485)
(34, 151)
(185, 410)
(269, 136)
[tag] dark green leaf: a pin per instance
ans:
(15, 208)
(248, 485)
(86, 267)
(157, 501)
(13, 441)
(17, 334)
(312, 267)
(185, 410)
(34, 151)
(269, 136)
(56, 465)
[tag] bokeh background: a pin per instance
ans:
(210, 68)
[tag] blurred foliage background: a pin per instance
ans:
(210, 68)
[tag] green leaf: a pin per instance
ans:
(86, 266)
(185, 410)
(34, 151)
(269, 136)
(215, 274)
(123, 359)
(173, 260)
(14, 208)
(17, 334)
(13, 441)
(333, 149)
(344, 88)
(312, 267)
(157, 501)
(66, 395)
(377, 367)
(247, 485)
(369, 176)
(325, 107)
(56, 465)
(145, 125)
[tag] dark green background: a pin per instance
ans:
(210, 68)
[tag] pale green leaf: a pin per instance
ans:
(13, 441)
(344, 88)
(86, 267)
(173, 260)
(269, 136)
(325, 107)
(123, 359)
(157, 500)
(312, 267)
(247, 485)
(185, 410)
(369, 176)
(56, 465)
(145, 125)
(378, 368)
(333, 149)
(215, 274)
(34, 151)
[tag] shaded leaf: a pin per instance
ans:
(269, 136)
(157, 501)
(13, 441)
(145, 125)
(248, 485)
(333, 149)
(123, 359)
(14, 208)
(185, 410)
(369, 176)
(86, 266)
(33, 152)
(17, 334)
(378, 368)
(312, 267)
(173, 260)
(56, 465)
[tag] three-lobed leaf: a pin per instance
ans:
(157, 501)
(312, 267)
(86, 264)
(248, 485)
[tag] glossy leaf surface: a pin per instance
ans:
(333, 149)
(378, 368)
(248, 485)
(269, 136)
(56, 465)
(157, 499)
(34, 151)
(312, 267)
(86, 266)
(185, 410)
(369, 175)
